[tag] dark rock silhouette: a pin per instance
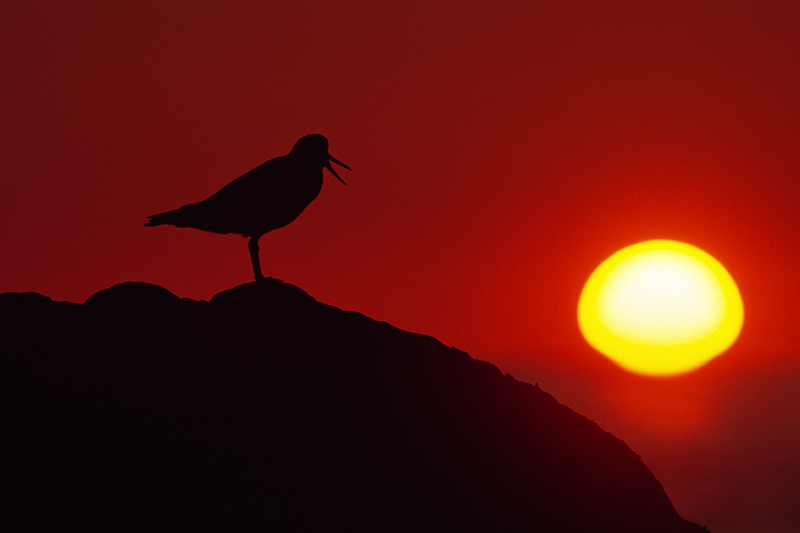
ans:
(264, 409)
(269, 197)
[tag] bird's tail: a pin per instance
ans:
(162, 218)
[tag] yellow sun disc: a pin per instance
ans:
(660, 308)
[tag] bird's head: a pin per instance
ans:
(314, 147)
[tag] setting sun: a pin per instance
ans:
(660, 308)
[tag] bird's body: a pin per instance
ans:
(269, 197)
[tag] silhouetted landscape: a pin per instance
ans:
(263, 408)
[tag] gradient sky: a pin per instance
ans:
(500, 151)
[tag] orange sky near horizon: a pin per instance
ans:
(500, 152)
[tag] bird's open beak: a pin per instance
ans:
(332, 159)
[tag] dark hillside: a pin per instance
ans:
(265, 409)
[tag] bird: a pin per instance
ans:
(268, 197)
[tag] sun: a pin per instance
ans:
(660, 308)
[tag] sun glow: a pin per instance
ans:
(660, 308)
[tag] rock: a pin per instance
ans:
(264, 408)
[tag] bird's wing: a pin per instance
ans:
(253, 182)
(258, 201)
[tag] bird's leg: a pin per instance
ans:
(252, 245)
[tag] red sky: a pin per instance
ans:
(500, 151)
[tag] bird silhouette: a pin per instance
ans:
(269, 197)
